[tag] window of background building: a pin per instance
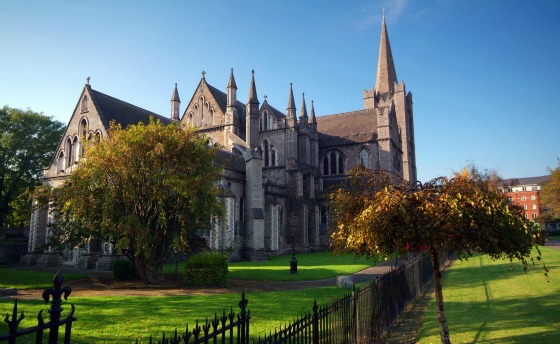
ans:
(533, 197)
(523, 198)
(534, 216)
(525, 206)
(533, 206)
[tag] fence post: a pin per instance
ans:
(244, 319)
(14, 323)
(315, 323)
(55, 310)
(354, 315)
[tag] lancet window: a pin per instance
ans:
(333, 163)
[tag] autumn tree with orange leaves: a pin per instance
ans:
(377, 213)
(147, 188)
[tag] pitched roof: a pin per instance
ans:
(231, 161)
(349, 127)
(113, 109)
(525, 181)
(277, 113)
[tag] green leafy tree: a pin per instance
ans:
(27, 143)
(146, 188)
(550, 194)
(375, 213)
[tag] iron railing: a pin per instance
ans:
(361, 316)
(55, 320)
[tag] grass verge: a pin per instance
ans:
(20, 279)
(124, 319)
(311, 266)
(496, 302)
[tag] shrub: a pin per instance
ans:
(206, 269)
(123, 270)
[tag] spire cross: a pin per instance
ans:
(87, 80)
(265, 97)
(203, 74)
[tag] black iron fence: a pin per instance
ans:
(55, 321)
(361, 316)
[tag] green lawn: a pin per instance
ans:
(123, 319)
(20, 279)
(311, 266)
(490, 302)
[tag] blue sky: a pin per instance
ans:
(484, 74)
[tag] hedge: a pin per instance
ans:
(206, 269)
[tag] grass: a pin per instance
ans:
(123, 319)
(311, 266)
(21, 279)
(496, 302)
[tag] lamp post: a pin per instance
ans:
(293, 262)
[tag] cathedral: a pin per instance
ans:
(277, 165)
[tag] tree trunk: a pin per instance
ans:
(444, 331)
(143, 270)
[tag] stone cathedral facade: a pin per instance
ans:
(278, 164)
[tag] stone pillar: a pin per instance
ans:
(37, 236)
(254, 197)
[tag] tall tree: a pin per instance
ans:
(146, 188)
(378, 214)
(27, 143)
(550, 193)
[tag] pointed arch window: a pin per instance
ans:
(83, 127)
(85, 104)
(270, 122)
(68, 152)
(264, 120)
(333, 163)
(364, 158)
(272, 155)
(76, 150)
(60, 162)
(266, 153)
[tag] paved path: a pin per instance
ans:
(100, 283)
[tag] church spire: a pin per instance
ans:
(231, 91)
(386, 74)
(175, 103)
(231, 82)
(312, 118)
(291, 109)
(253, 90)
(303, 110)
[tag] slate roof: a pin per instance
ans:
(277, 113)
(525, 181)
(221, 99)
(231, 161)
(125, 114)
(347, 128)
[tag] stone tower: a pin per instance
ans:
(394, 112)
